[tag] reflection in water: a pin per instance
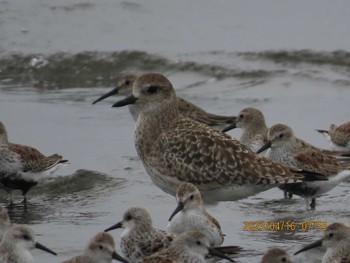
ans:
(77, 190)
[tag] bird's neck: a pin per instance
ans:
(150, 125)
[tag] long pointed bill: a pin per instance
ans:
(264, 147)
(108, 94)
(128, 100)
(117, 225)
(179, 207)
(116, 256)
(229, 127)
(318, 243)
(40, 246)
(216, 253)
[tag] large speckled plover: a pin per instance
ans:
(22, 166)
(101, 249)
(283, 147)
(17, 242)
(276, 255)
(124, 87)
(188, 247)
(337, 242)
(175, 149)
(252, 121)
(140, 238)
(338, 136)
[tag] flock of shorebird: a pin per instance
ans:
(187, 154)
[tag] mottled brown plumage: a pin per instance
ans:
(33, 160)
(338, 136)
(188, 247)
(101, 249)
(191, 215)
(297, 154)
(252, 122)
(21, 165)
(124, 87)
(174, 149)
(276, 255)
(284, 147)
(140, 238)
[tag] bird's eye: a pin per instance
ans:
(152, 89)
(26, 237)
(331, 234)
(191, 197)
(128, 217)
(283, 259)
(241, 116)
(100, 247)
(127, 82)
(199, 243)
(280, 136)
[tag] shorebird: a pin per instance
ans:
(252, 122)
(5, 222)
(285, 148)
(16, 243)
(337, 241)
(190, 214)
(175, 149)
(338, 136)
(101, 249)
(276, 255)
(22, 166)
(124, 87)
(188, 247)
(140, 238)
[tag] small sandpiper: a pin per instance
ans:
(252, 121)
(22, 166)
(101, 249)
(276, 255)
(140, 238)
(338, 137)
(337, 241)
(188, 247)
(175, 149)
(283, 147)
(190, 215)
(124, 87)
(17, 242)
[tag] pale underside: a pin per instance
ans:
(220, 166)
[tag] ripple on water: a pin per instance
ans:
(47, 199)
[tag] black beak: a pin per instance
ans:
(264, 147)
(128, 100)
(229, 127)
(312, 245)
(179, 207)
(108, 94)
(216, 253)
(117, 225)
(40, 246)
(119, 258)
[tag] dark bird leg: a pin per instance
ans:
(313, 204)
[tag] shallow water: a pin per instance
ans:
(228, 56)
